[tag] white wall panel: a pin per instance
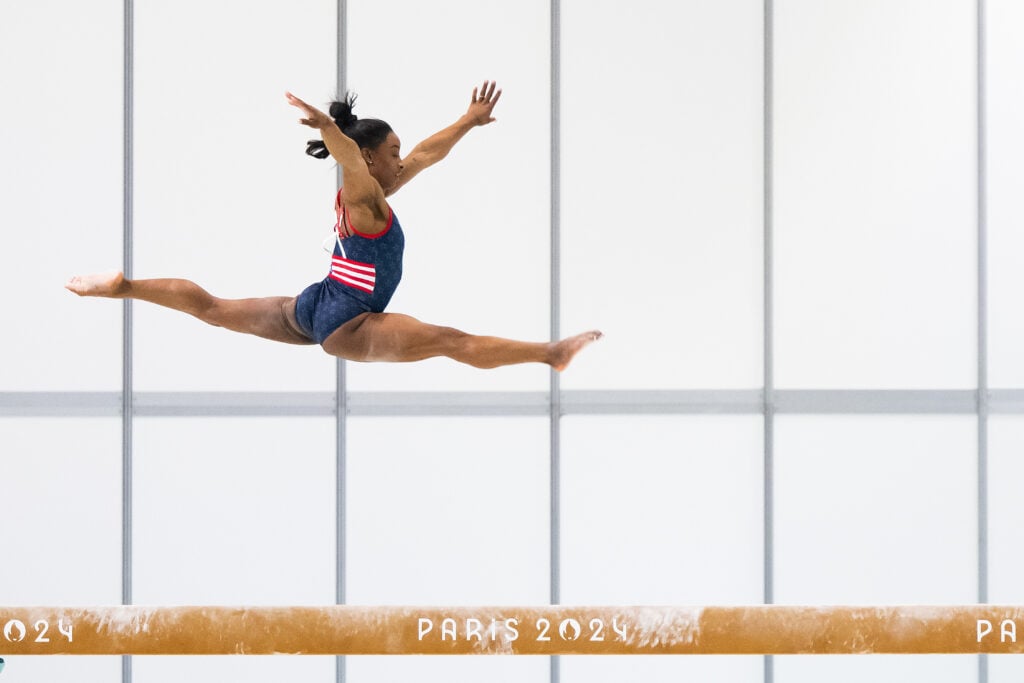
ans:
(224, 193)
(477, 225)
(875, 194)
(1006, 476)
(882, 669)
(448, 669)
(643, 495)
(662, 511)
(43, 669)
(659, 669)
(448, 511)
(875, 510)
(234, 511)
(60, 170)
(61, 483)
(201, 669)
(1005, 150)
(662, 192)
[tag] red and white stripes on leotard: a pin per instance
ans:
(343, 269)
(362, 276)
(353, 273)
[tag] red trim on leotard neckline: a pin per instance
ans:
(340, 228)
(344, 212)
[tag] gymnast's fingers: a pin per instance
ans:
(296, 102)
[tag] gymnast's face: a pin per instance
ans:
(387, 162)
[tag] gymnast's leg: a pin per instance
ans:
(268, 317)
(400, 338)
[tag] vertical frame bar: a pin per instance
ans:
(126, 359)
(556, 312)
(340, 388)
(769, 350)
(983, 408)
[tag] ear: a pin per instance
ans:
(367, 156)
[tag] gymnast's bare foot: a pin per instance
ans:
(99, 284)
(563, 352)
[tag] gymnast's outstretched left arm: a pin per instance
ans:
(437, 146)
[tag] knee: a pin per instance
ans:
(441, 341)
(212, 311)
(450, 338)
(467, 348)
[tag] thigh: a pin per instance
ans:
(391, 337)
(270, 317)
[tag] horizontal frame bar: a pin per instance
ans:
(242, 404)
(60, 404)
(573, 402)
(876, 402)
(665, 402)
(554, 630)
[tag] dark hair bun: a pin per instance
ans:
(341, 112)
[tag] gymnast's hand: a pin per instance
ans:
(482, 104)
(314, 117)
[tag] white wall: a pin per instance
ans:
(875, 192)
(874, 199)
(1005, 205)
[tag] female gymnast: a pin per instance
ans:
(344, 313)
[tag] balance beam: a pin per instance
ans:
(553, 630)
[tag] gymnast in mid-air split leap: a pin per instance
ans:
(344, 313)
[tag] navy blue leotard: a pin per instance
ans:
(365, 271)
